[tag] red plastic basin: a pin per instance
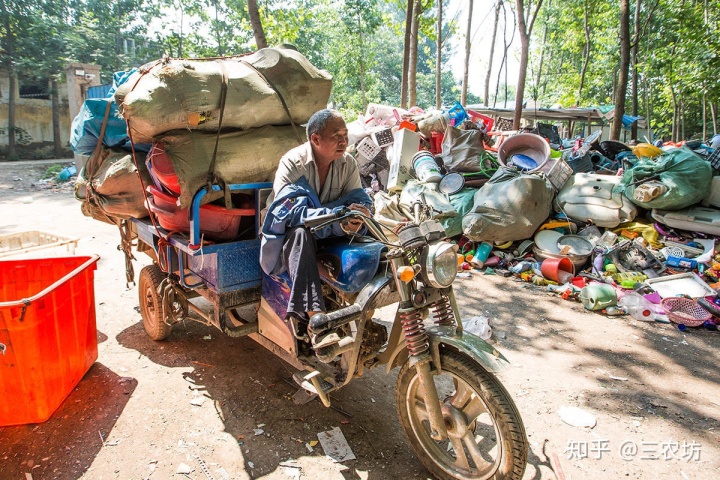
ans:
(161, 168)
(216, 222)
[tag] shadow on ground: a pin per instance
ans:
(254, 390)
(66, 444)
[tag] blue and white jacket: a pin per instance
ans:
(294, 204)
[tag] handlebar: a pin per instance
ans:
(327, 218)
(323, 220)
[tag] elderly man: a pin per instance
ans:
(313, 179)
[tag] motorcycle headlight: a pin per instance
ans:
(440, 265)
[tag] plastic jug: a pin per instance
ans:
(598, 296)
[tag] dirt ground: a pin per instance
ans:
(221, 408)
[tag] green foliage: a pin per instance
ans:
(360, 42)
(678, 57)
(22, 137)
(52, 171)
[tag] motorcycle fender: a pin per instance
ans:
(471, 345)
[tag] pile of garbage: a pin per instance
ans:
(581, 216)
(625, 229)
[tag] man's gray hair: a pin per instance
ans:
(320, 119)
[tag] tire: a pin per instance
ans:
(502, 450)
(151, 303)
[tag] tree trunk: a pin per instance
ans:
(704, 102)
(217, 31)
(520, 93)
(466, 66)
(506, 44)
(525, 30)
(361, 64)
(438, 58)
(180, 40)
(675, 110)
(55, 96)
(11, 110)
(10, 66)
(682, 118)
(406, 54)
(624, 67)
(713, 115)
(486, 99)
(586, 55)
(542, 57)
(634, 59)
(412, 63)
(256, 23)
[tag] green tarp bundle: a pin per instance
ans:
(686, 175)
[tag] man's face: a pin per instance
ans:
(330, 143)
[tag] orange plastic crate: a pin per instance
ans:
(48, 337)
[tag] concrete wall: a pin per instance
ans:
(35, 115)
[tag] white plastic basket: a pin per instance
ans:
(34, 244)
(368, 148)
(559, 174)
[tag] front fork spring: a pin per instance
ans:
(416, 339)
(443, 312)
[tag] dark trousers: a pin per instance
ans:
(300, 262)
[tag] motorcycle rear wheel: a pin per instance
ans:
(151, 303)
(486, 435)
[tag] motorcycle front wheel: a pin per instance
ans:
(486, 436)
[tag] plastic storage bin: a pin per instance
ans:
(48, 337)
(479, 117)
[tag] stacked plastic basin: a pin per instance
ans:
(216, 221)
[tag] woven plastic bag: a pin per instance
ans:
(686, 175)
(177, 94)
(243, 156)
(110, 187)
(462, 150)
(509, 207)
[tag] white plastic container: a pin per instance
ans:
(426, 169)
(400, 155)
(636, 305)
(713, 197)
(694, 219)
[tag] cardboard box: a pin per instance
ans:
(406, 145)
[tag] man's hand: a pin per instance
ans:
(353, 225)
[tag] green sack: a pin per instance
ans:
(686, 175)
(462, 202)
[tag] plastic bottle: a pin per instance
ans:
(637, 306)
(481, 254)
(614, 311)
(374, 184)
(681, 262)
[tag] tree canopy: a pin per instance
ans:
(574, 56)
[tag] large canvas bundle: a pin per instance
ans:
(110, 188)
(176, 94)
(243, 156)
(510, 206)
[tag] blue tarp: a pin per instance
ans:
(86, 126)
(628, 120)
